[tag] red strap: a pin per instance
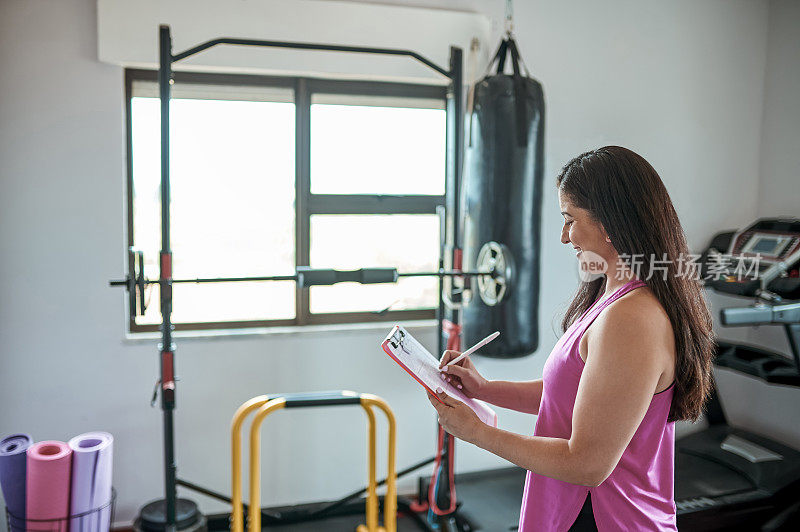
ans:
(453, 332)
(167, 376)
(166, 265)
(451, 476)
(458, 258)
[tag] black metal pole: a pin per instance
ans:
(456, 150)
(455, 134)
(793, 335)
(441, 211)
(454, 147)
(167, 348)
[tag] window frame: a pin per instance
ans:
(306, 203)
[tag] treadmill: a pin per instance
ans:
(728, 478)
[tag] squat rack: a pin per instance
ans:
(451, 235)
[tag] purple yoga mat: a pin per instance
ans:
(92, 456)
(12, 477)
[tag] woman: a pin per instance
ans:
(635, 357)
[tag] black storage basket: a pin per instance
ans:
(88, 521)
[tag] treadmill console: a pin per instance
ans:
(770, 246)
(735, 262)
(769, 240)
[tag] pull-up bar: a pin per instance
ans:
(310, 46)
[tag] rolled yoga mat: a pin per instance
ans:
(92, 455)
(48, 479)
(12, 477)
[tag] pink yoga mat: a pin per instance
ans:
(48, 481)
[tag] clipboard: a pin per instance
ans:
(424, 368)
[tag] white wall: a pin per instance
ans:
(780, 143)
(682, 83)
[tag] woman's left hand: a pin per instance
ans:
(455, 417)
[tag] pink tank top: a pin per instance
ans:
(638, 495)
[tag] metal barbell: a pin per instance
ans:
(495, 276)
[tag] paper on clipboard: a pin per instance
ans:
(424, 367)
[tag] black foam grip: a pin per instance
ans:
(331, 398)
(316, 277)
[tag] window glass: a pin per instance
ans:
(233, 198)
(349, 242)
(367, 149)
(232, 175)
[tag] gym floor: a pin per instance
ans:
(490, 501)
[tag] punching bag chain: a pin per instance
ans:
(509, 17)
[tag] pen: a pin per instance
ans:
(474, 347)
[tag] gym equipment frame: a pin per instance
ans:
(450, 250)
(264, 405)
(728, 477)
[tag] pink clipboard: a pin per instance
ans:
(424, 367)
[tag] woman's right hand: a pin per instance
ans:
(463, 375)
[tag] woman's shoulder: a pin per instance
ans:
(639, 307)
(633, 324)
(637, 321)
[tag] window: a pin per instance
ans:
(272, 173)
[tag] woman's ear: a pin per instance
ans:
(605, 233)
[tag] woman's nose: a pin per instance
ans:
(564, 235)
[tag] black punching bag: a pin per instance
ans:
(503, 195)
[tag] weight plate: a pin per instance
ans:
(496, 259)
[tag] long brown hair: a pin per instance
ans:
(623, 192)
